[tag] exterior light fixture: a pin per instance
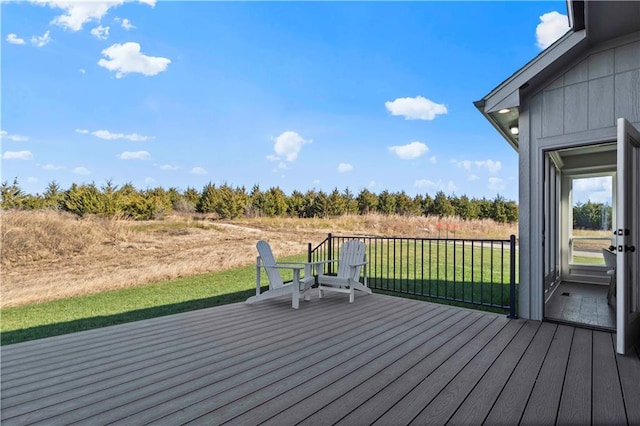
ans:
(504, 111)
(514, 130)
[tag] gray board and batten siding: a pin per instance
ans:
(578, 107)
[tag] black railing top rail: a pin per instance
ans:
(386, 237)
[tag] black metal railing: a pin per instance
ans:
(466, 271)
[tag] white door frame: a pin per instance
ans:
(628, 237)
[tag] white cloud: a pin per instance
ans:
(552, 26)
(496, 184)
(287, 145)
(81, 170)
(124, 23)
(15, 138)
(603, 197)
(133, 137)
(127, 58)
(42, 40)
(472, 177)
(344, 167)
(594, 189)
(410, 151)
(447, 187)
(149, 180)
(51, 167)
(78, 13)
(493, 166)
(100, 32)
(82, 71)
(14, 39)
(433, 160)
(82, 131)
(135, 155)
(372, 184)
(198, 171)
(465, 164)
(168, 167)
(592, 184)
(418, 108)
(32, 179)
(17, 155)
(105, 134)
(283, 166)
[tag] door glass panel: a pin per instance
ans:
(592, 198)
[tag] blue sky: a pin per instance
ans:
(296, 95)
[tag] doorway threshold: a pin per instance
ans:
(581, 305)
(580, 324)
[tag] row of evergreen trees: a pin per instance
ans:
(591, 215)
(233, 202)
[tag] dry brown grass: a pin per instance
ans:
(52, 255)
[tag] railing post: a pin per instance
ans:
(512, 278)
(330, 253)
(309, 252)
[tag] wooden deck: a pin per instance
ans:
(382, 360)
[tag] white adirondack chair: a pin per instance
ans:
(299, 286)
(610, 263)
(352, 258)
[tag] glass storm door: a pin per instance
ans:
(628, 237)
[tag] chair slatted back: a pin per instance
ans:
(609, 259)
(351, 252)
(269, 263)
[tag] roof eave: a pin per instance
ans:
(507, 94)
(513, 141)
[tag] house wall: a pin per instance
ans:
(578, 106)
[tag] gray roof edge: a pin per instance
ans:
(505, 91)
(544, 59)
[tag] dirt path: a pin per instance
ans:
(139, 258)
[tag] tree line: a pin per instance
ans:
(227, 202)
(591, 215)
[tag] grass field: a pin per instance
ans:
(62, 274)
(69, 315)
(473, 273)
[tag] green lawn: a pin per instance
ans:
(119, 306)
(588, 260)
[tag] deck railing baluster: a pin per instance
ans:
(390, 268)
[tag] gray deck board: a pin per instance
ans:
(417, 385)
(334, 386)
(608, 406)
(575, 402)
(510, 405)
(629, 370)
(381, 360)
(542, 407)
(479, 401)
(395, 378)
(444, 405)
